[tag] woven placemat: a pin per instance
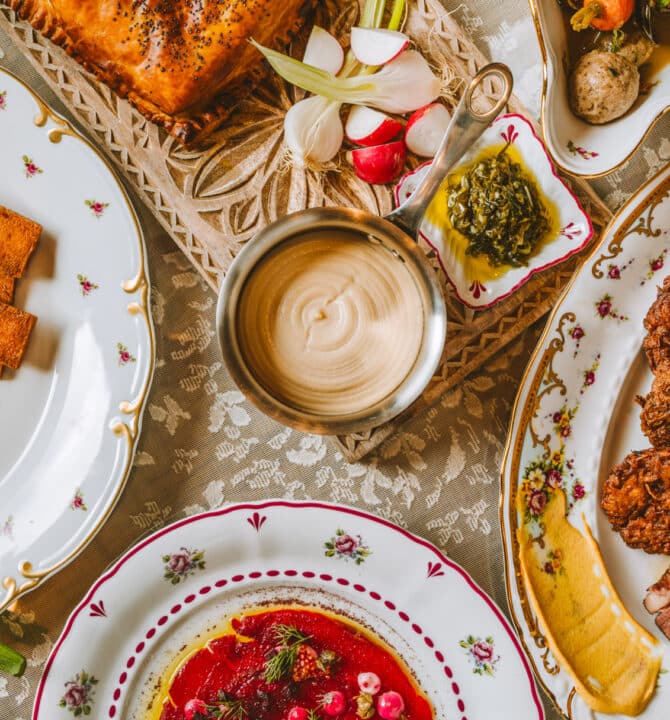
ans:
(213, 199)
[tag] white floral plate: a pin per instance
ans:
(572, 231)
(187, 578)
(578, 394)
(70, 416)
(576, 146)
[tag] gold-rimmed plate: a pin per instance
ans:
(70, 415)
(575, 417)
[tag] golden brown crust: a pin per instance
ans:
(15, 328)
(655, 415)
(182, 63)
(6, 289)
(656, 344)
(18, 238)
(636, 500)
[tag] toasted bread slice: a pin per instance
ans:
(6, 290)
(18, 238)
(6, 295)
(15, 328)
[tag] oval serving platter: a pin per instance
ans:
(70, 415)
(579, 395)
(176, 587)
(576, 146)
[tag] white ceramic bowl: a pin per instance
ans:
(576, 146)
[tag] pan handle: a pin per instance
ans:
(466, 125)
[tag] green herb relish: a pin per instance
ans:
(496, 206)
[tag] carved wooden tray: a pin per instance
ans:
(213, 199)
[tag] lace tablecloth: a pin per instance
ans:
(203, 445)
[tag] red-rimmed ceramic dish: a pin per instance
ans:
(174, 588)
(476, 284)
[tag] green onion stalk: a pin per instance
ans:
(313, 129)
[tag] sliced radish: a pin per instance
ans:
(366, 126)
(324, 51)
(380, 163)
(377, 46)
(425, 129)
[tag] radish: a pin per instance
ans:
(370, 127)
(333, 703)
(369, 682)
(323, 51)
(425, 129)
(390, 705)
(380, 163)
(377, 46)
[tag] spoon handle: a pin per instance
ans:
(465, 127)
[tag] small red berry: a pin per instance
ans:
(333, 703)
(390, 705)
(369, 682)
(298, 713)
(195, 707)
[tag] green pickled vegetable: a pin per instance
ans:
(496, 206)
(11, 661)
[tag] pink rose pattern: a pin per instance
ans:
(78, 695)
(97, 207)
(343, 545)
(85, 285)
(590, 374)
(30, 168)
(78, 501)
(581, 151)
(179, 565)
(482, 654)
(3, 100)
(124, 356)
(605, 309)
(654, 265)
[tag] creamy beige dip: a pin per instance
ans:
(330, 322)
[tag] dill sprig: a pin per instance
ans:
(289, 639)
(230, 708)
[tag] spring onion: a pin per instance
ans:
(11, 661)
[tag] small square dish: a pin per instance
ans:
(477, 282)
(576, 146)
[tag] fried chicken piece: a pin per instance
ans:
(657, 323)
(636, 500)
(655, 415)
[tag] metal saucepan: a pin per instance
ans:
(396, 233)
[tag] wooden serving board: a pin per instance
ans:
(214, 198)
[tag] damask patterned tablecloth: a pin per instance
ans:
(203, 445)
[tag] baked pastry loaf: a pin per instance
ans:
(182, 63)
